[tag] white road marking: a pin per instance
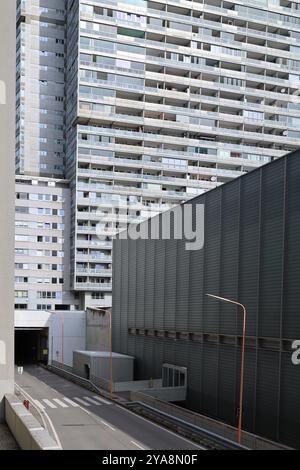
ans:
(71, 402)
(49, 403)
(39, 405)
(137, 445)
(108, 425)
(102, 400)
(94, 402)
(60, 403)
(82, 401)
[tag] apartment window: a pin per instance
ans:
(21, 294)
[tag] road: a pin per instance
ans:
(81, 420)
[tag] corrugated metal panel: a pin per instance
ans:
(229, 262)
(289, 417)
(248, 280)
(244, 261)
(212, 260)
(271, 249)
(170, 285)
(159, 304)
(182, 287)
(291, 290)
(140, 284)
(267, 393)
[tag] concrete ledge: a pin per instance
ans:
(27, 431)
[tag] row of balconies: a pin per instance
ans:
(168, 140)
(187, 84)
(164, 33)
(197, 171)
(201, 8)
(145, 164)
(281, 122)
(213, 131)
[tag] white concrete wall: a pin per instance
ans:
(61, 346)
(7, 158)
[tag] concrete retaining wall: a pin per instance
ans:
(26, 430)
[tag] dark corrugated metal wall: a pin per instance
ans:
(251, 253)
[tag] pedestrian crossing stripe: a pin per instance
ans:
(60, 403)
(91, 400)
(105, 402)
(71, 402)
(64, 402)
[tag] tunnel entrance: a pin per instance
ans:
(31, 345)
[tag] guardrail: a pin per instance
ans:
(205, 438)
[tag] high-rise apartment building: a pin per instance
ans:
(42, 246)
(40, 87)
(163, 101)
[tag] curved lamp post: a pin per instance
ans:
(223, 299)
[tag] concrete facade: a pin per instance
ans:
(65, 331)
(165, 100)
(7, 149)
(42, 248)
(96, 365)
(40, 87)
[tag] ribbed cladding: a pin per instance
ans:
(181, 353)
(227, 385)
(140, 283)
(158, 357)
(195, 375)
(291, 288)
(249, 386)
(248, 278)
(271, 249)
(131, 284)
(116, 301)
(169, 351)
(139, 355)
(170, 284)
(212, 260)
(182, 287)
(210, 379)
(196, 274)
(159, 284)
(124, 295)
(229, 257)
(289, 417)
(267, 393)
(149, 283)
(148, 358)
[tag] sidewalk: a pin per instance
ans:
(7, 441)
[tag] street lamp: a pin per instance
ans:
(110, 350)
(223, 299)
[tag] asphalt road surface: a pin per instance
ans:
(81, 420)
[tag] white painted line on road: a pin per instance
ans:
(49, 403)
(39, 405)
(84, 403)
(137, 445)
(94, 402)
(108, 425)
(37, 429)
(71, 402)
(102, 400)
(60, 403)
